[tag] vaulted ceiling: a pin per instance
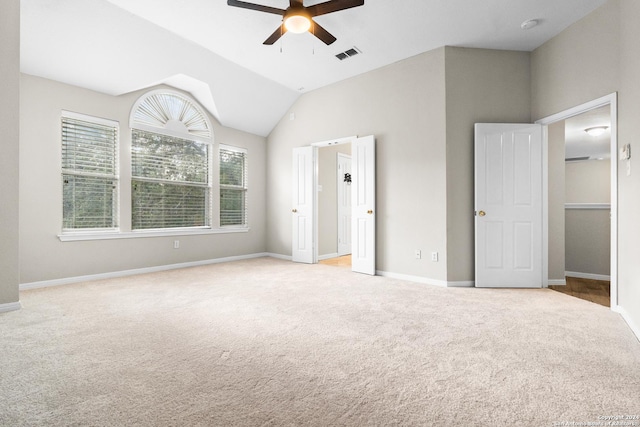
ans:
(215, 51)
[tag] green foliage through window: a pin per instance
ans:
(89, 175)
(233, 190)
(170, 181)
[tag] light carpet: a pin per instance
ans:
(266, 342)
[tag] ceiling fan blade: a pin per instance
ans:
(276, 35)
(258, 7)
(333, 6)
(321, 33)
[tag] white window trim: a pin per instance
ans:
(109, 235)
(104, 122)
(91, 119)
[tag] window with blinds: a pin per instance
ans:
(89, 173)
(233, 186)
(170, 182)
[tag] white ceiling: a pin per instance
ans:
(578, 143)
(215, 51)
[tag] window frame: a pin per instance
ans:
(115, 177)
(244, 188)
(151, 113)
(124, 183)
(208, 184)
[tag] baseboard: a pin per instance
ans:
(10, 306)
(327, 256)
(279, 256)
(557, 282)
(634, 328)
(587, 275)
(114, 274)
(425, 280)
(461, 284)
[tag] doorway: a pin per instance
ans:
(334, 201)
(304, 245)
(554, 204)
(582, 239)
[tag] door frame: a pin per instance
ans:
(612, 101)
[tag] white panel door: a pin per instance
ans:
(344, 204)
(508, 205)
(302, 246)
(363, 201)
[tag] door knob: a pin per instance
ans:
(369, 211)
(294, 210)
(482, 213)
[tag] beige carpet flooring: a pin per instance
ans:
(266, 342)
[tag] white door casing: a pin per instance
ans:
(302, 246)
(508, 205)
(344, 204)
(363, 193)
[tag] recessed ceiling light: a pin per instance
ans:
(529, 24)
(596, 130)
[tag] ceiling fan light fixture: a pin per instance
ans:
(596, 130)
(297, 22)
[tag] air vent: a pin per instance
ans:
(348, 53)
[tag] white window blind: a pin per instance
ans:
(170, 181)
(233, 186)
(89, 173)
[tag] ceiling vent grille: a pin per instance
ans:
(348, 53)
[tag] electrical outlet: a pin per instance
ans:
(434, 256)
(176, 244)
(418, 253)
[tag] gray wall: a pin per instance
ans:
(9, 144)
(44, 257)
(328, 197)
(588, 231)
(564, 75)
(403, 105)
(563, 70)
(556, 201)
(482, 86)
(629, 186)
(422, 111)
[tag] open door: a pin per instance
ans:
(302, 247)
(363, 195)
(508, 205)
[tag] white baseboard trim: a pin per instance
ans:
(424, 280)
(327, 256)
(114, 274)
(634, 328)
(557, 282)
(279, 256)
(587, 275)
(10, 306)
(462, 284)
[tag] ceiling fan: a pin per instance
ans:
(297, 18)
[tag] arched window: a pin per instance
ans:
(171, 178)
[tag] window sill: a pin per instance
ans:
(108, 235)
